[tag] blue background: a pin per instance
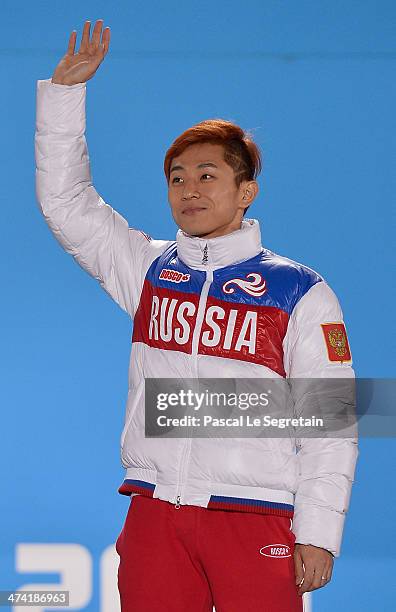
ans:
(315, 81)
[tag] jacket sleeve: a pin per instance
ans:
(326, 464)
(90, 230)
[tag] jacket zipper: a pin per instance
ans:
(194, 355)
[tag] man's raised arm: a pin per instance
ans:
(89, 229)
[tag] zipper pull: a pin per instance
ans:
(177, 505)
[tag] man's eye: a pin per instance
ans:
(177, 179)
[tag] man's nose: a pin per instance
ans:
(190, 191)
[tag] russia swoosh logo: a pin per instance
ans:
(256, 286)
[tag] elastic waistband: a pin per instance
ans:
(216, 502)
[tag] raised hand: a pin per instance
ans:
(81, 66)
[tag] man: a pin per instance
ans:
(242, 524)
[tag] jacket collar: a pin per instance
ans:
(202, 253)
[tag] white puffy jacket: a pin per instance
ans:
(220, 307)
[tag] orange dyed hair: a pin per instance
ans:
(240, 151)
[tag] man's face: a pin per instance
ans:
(202, 192)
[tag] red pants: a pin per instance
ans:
(191, 559)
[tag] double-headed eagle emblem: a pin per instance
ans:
(337, 340)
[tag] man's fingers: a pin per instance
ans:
(95, 39)
(72, 43)
(327, 573)
(298, 567)
(317, 581)
(308, 578)
(318, 566)
(319, 578)
(85, 37)
(106, 39)
(97, 31)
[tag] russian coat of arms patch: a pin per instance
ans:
(336, 341)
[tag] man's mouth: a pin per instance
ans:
(192, 210)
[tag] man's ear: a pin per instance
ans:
(249, 190)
